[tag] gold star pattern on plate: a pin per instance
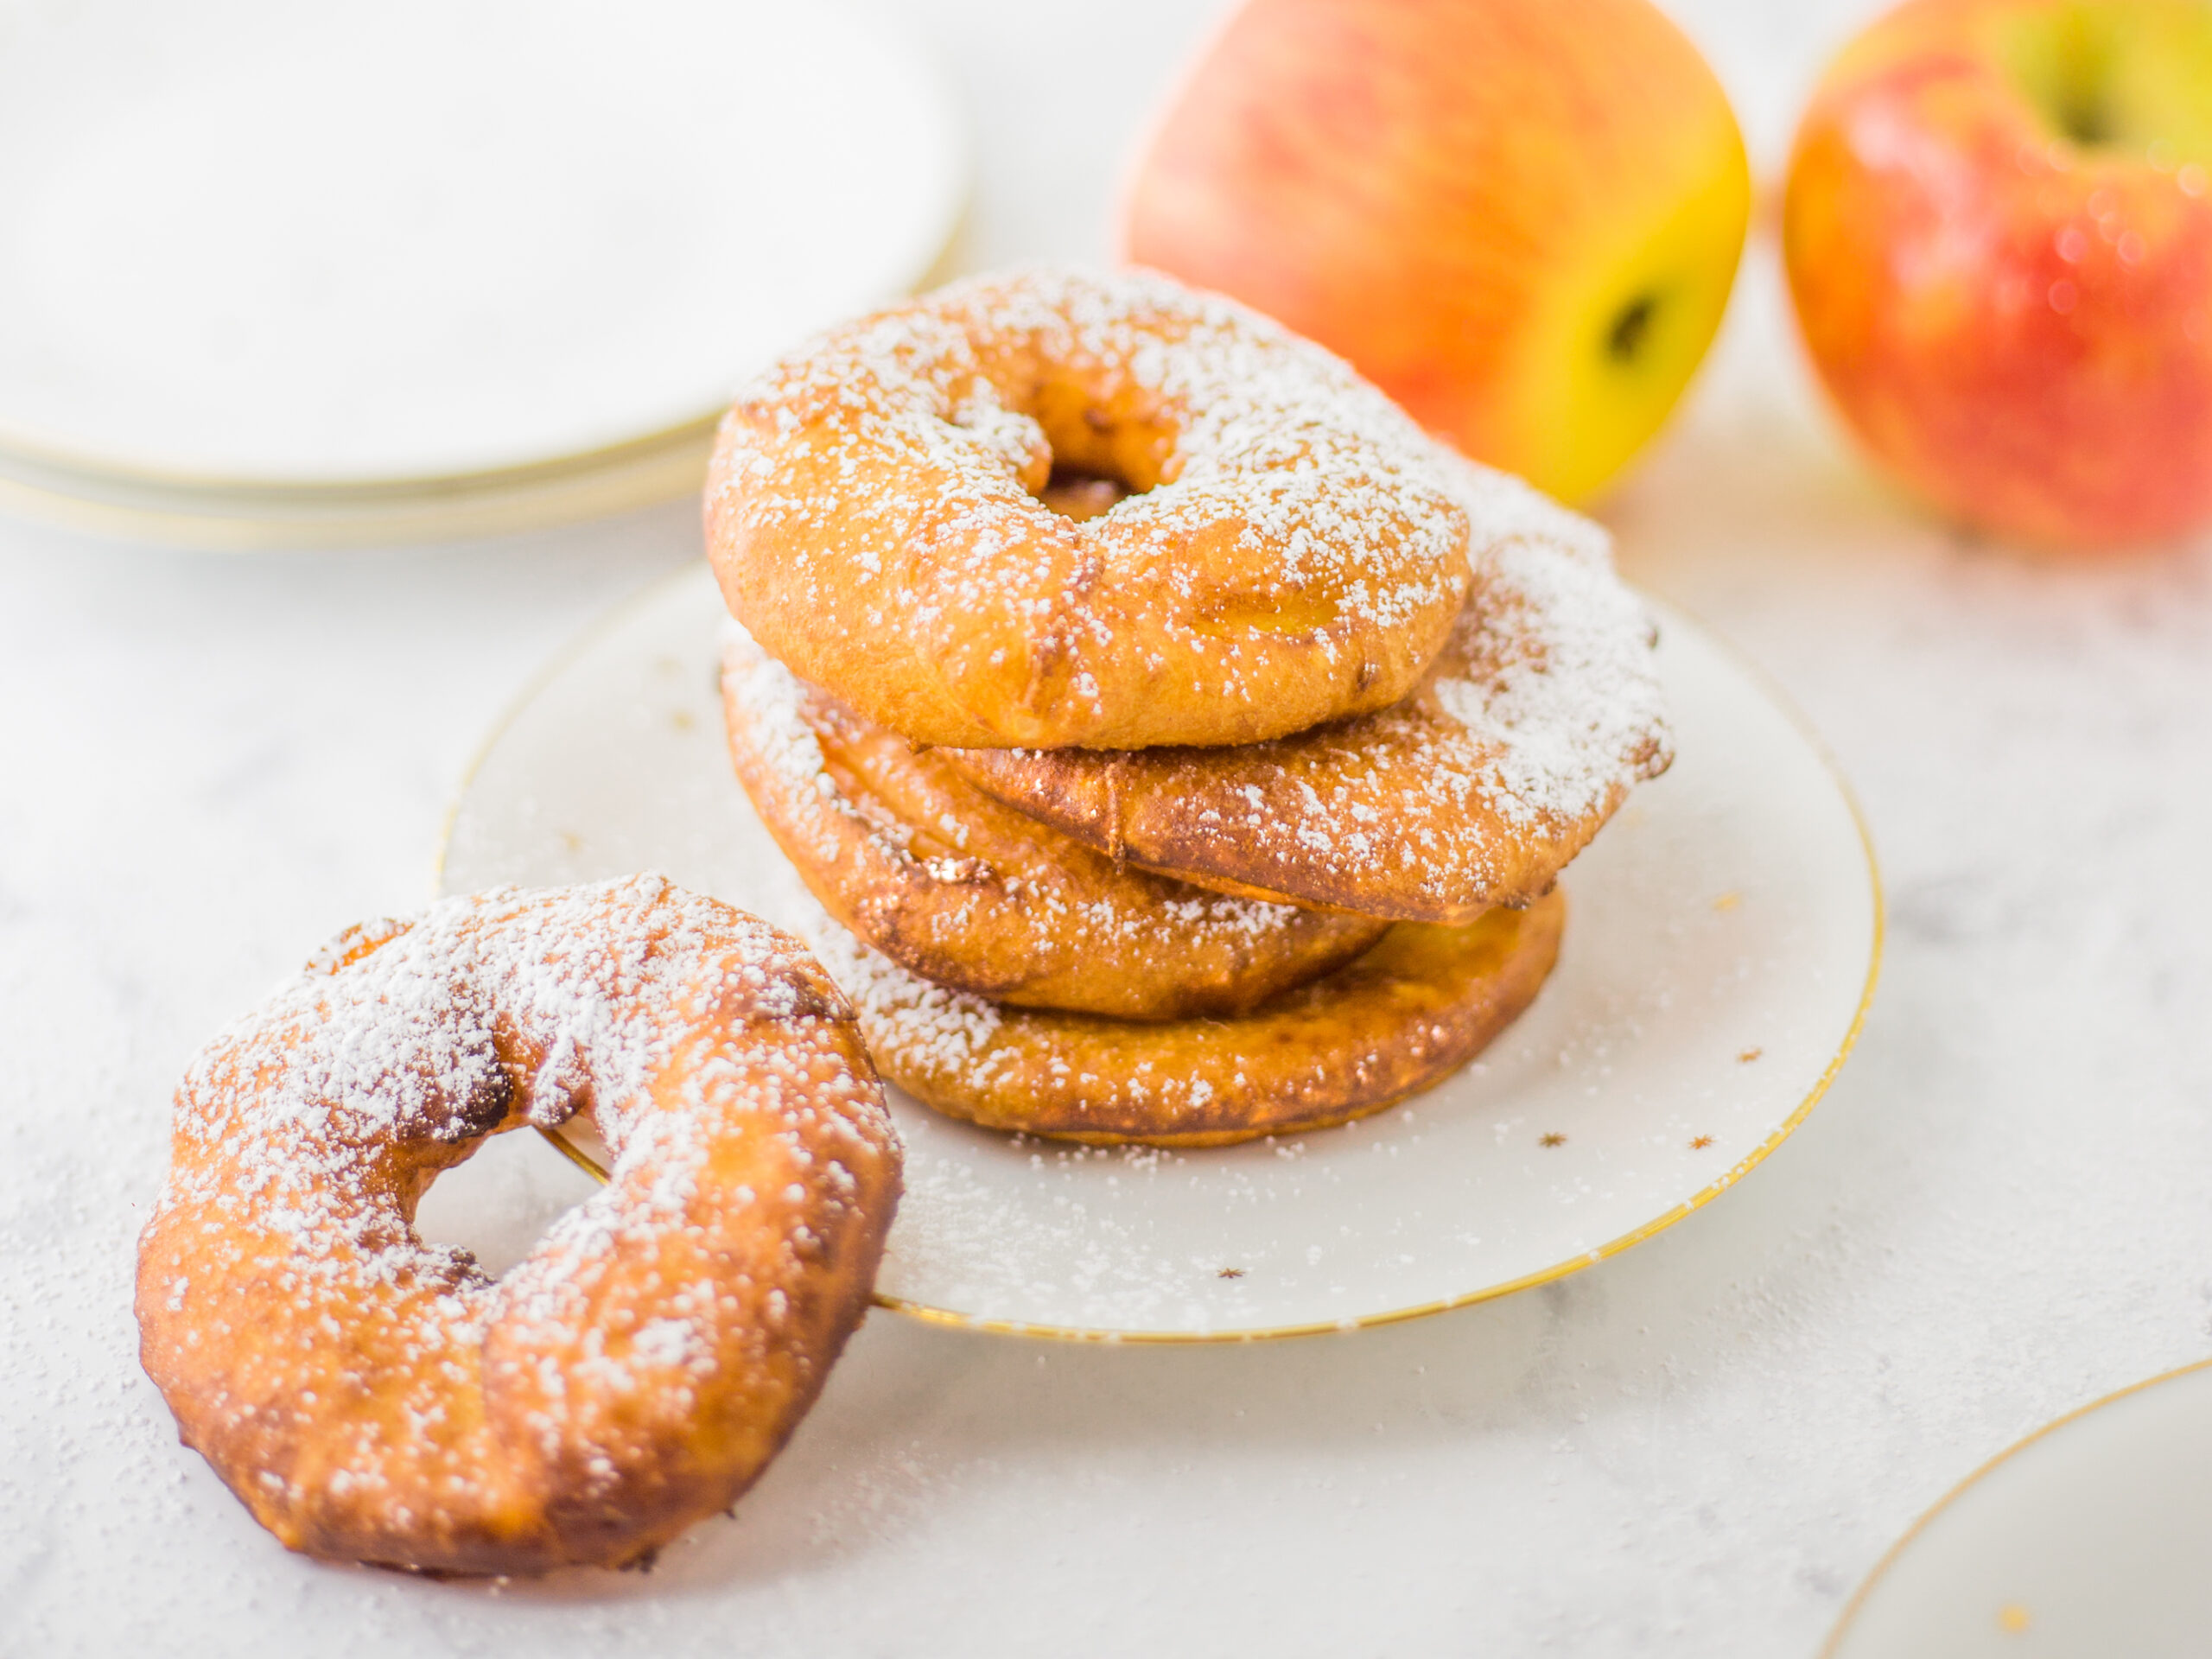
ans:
(1551, 1138)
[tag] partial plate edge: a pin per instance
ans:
(260, 517)
(1834, 1646)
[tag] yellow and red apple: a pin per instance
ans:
(1520, 218)
(1998, 234)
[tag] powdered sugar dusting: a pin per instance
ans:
(1560, 688)
(946, 1030)
(1013, 910)
(1399, 1020)
(298, 1317)
(1291, 537)
(1540, 714)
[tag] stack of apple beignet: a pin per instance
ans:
(1180, 745)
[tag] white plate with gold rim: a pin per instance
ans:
(1722, 938)
(318, 272)
(2086, 1538)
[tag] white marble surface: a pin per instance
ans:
(211, 764)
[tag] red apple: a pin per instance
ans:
(1521, 218)
(1998, 233)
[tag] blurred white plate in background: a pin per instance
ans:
(264, 245)
(1720, 946)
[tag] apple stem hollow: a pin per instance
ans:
(1631, 327)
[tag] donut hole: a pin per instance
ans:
(1107, 444)
(498, 1203)
(1080, 495)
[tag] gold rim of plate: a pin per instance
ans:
(1891, 1556)
(621, 614)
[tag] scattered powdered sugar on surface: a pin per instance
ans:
(1060, 1248)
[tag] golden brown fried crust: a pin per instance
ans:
(1523, 737)
(951, 883)
(1398, 1019)
(1288, 550)
(373, 1398)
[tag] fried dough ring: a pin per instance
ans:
(963, 891)
(372, 1397)
(1396, 1021)
(1528, 731)
(1291, 553)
